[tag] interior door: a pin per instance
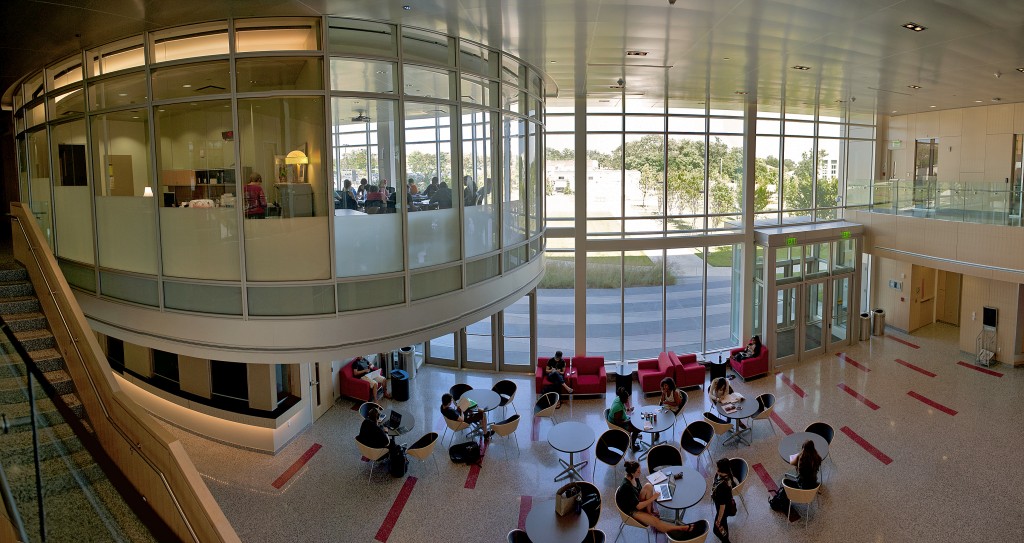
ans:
(814, 317)
(786, 309)
(320, 388)
(840, 324)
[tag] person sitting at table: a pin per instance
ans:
(347, 199)
(374, 199)
(442, 196)
(255, 198)
(431, 188)
(389, 195)
(468, 191)
(807, 463)
(718, 391)
(413, 187)
(637, 499)
(671, 398)
(555, 374)
(484, 192)
(618, 414)
(363, 189)
(363, 369)
(370, 432)
(471, 416)
(753, 349)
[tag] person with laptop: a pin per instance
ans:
(555, 370)
(370, 432)
(470, 415)
(637, 499)
(365, 370)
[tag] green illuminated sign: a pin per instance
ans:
(791, 241)
(846, 234)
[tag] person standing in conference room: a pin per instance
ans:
(255, 198)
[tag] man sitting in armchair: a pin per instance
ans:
(363, 369)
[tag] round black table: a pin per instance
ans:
(791, 444)
(485, 399)
(543, 525)
(666, 420)
(744, 410)
(571, 437)
(686, 492)
(406, 425)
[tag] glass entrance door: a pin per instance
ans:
(786, 324)
(840, 310)
(814, 319)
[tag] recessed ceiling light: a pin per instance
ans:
(913, 86)
(741, 92)
(726, 58)
(186, 86)
(635, 53)
(978, 101)
(135, 116)
(1021, 70)
(915, 27)
(931, 106)
(801, 67)
(894, 111)
(122, 94)
(553, 61)
(407, 8)
(997, 99)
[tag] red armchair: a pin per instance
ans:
(750, 367)
(590, 377)
(540, 376)
(689, 373)
(354, 387)
(652, 370)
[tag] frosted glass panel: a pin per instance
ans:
(218, 299)
(433, 283)
(126, 230)
(301, 300)
(367, 245)
(77, 275)
(365, 294)
(514, 143)
(293, 249)
(130, 288)
(433, 237)
(73, 209)
(481, 270)
(481, 229)
(200, 243)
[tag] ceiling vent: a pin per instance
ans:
(635, 53)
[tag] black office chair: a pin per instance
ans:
(827, 432)
(595, 536)
(696, 438)
(663, 455)
(507, 390)
(458, 389)
(611, 448)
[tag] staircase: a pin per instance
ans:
(80, 502)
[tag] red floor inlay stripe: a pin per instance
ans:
(933, 403)
(799, 391)
(291, 471)
(781, 423)
(765, 477)
(857, 395)
(915, 368)
(982, 370)
(852, 362)
(396, 510)
(355, 406)
(903, 341)
(471, 477)
(866, 446)
(525, 504)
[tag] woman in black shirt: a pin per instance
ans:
(721, 495)
(637, 499)
(807, 463)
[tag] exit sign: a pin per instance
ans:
(790, 241)
(845, 234)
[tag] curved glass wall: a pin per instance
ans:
(284, 166)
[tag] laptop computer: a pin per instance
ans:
(395, 421)
(665, 490)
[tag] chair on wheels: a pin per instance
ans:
(458, 389)
(663, 455)
(699, 534)
(765, 408)
(364, 409)
(800, 496)
(628, 520)
(372, 454)
(518, 536)
(696, 439)
(825, 431)
(506, 389)
(424, 448)
(611, 448)
(594, 536)
(545, 406)
(455, 426)
(740, 470)
(508, 428)
(721, 428)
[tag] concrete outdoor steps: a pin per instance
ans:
(81, 503)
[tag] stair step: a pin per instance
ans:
(13, 272)
(57, 476)
(19, 304)
(10, 289)
(53, 440)
(33, 320)
(47, 359)
(73, 403)
(60, 381)
(34, 340)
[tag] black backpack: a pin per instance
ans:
(780, 501)
(465, 453)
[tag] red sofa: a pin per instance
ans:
(750, 367)
(651, 371)
(352, 386)
(590, 377)
(689, 373)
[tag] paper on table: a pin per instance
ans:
(657, 477)
(732, 398)
(792, 457)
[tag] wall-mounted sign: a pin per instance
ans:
(845, 234)
(895, 144)
(791, 241)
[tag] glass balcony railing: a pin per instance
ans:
(976, 202)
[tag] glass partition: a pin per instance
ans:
(278, 73)
(189, 42)
(362, 75)
(64, 73)
(434, 236)
(514, 190)
(72, 193)
(350, 36)
(121, 91)
(114, 57)
(427, 47)
(192, 80)
(481, 211)
(277, 34)
(39, 179)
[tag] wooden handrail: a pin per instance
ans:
(149, 456)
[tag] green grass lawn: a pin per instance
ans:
(605, 272)
(720, 257)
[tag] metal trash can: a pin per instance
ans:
(865, 326)
(407, 360)
(399, 385)
(878, 322)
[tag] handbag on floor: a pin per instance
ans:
(465, 453)
(780, 501)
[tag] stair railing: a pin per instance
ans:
(167, 480)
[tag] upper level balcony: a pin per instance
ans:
(985, 202)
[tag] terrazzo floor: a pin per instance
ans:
(950, 477)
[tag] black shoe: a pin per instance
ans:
(489, 434)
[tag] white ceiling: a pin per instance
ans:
(855, 48)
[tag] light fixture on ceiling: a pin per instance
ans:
(741, 92)
(915, 27)
(636, 53)
(997, 99)
(726, 58)
(1021, 70)
(186, 86)
(407, 8)
(147, 192)
(894, 111)
(552, 62)
(932, 106)
(122, 94)
(979, 101)
(801, 67)
(913, 86)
